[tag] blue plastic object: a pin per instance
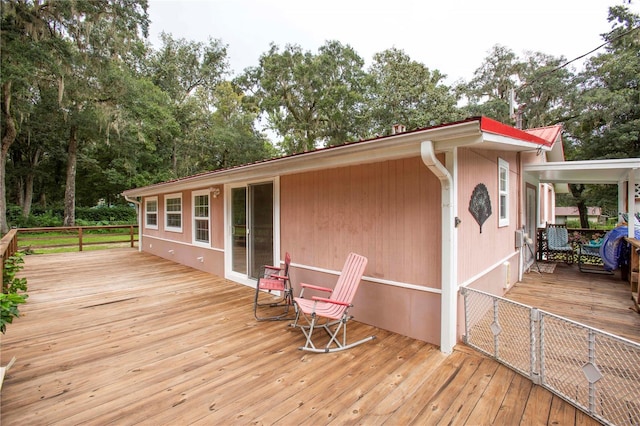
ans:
(612, 246)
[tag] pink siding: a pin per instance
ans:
(477, 251)
(388, 212)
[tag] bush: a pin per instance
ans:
(12, 288)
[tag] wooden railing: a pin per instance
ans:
(76, 236)
(8, 247)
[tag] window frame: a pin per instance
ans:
(503, 193)
(195, 219)
(167, 226)
(148, 200)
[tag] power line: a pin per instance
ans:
(559, 67)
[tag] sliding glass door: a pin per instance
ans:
(252, 228)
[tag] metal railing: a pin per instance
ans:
(542, 254)
(596, 371)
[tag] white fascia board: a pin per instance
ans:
(588, 171)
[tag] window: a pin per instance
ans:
(201, 218)
(173, 212)
(503, 192)
(151, 213)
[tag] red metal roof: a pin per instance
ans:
(549, 133)
(493, 126)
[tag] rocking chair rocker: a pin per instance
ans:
(331, 314)
(274, 279)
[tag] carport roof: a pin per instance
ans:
(591, 171)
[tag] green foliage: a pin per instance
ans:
(87, 94)
(86, 216)
(489, 90)
(539, 86)
(407, 92)
(310, 99)
(13, 291)
(606, 121)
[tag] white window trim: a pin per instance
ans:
(166, 213)
(503, 221)
(194, 217)
(146, 212)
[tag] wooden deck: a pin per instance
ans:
(121, 337)
(600, 301)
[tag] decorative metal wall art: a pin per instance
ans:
(480, 204)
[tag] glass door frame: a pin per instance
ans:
(229, 273)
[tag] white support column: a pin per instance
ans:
(622, 191)
(631, 202)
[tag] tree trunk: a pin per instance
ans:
(584, 214)
(8, 137)
(28, 185)
(576, 191)
(70, 187)
(28, 195)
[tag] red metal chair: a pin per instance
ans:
(331, 314)
(274, 291)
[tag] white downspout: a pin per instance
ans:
(449, 280)
(138, 220)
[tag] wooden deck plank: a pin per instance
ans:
(121, 337)
(429, 406)
(600, 301)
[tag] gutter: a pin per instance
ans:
(138, 219)
(449, 267)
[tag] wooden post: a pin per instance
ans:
(80, 238)
(131, 234)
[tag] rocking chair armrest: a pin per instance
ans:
(316, 287)
(278, 277)
(335, 302)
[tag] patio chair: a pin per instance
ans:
(558, 246)
(274, 291)
(331, 314)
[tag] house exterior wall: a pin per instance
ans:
(387, 211)
(495, 244)
(178, 245)
(487, 260)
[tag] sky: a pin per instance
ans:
(452, 36)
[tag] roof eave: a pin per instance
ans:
(481, 131)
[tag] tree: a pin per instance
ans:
(28, 56)
(533, 91)
(489, 91)
(308, 99)
(188, 72)
(72, 42)
(229, 137)
(546, 90)
(606, 112)
(407, 92)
